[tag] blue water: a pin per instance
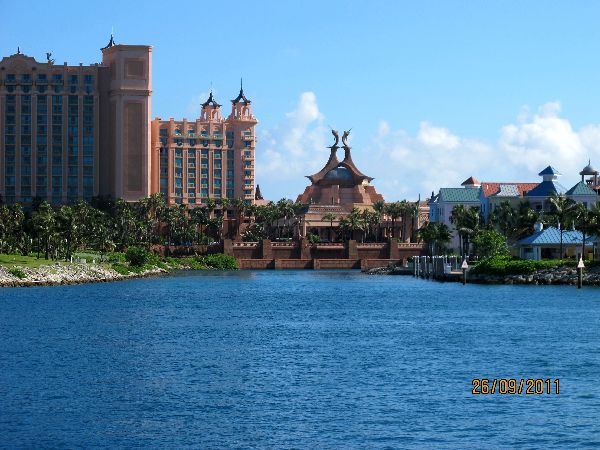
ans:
(296, 359)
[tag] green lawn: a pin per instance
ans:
(23, 261)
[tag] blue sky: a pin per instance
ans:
(434, 91)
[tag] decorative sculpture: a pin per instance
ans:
(49, 59)
(337, 138)
(345, 136)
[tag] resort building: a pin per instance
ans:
(75, 132)
(486, 196)
(547, 243)
(210, 157)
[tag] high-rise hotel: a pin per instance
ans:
(75, 132)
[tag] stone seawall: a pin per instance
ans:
(63, 274)
(552, 276)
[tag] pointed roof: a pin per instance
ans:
(546, 189)
(258, 195)
(344, 172)
(211, 101)
(549, 171)
(470, 182)
(589, 170)
(241, 97)
(581, 188)
(111, 43)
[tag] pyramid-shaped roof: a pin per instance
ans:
(549, 171)
(581, 188)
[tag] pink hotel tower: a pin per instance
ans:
(75, 132)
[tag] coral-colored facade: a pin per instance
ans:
(210, 157)
(75, 132)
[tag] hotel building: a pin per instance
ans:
(210, 157)
(76, 132)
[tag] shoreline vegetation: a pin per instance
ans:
(27, 271)
(511, 270)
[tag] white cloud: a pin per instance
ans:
(405, 164)
(435, 157)
(291, 150)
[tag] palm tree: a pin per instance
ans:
(393, 210)
(563, 212)
(329, 217)
(467, 222)
(44, 224)
(436, 235)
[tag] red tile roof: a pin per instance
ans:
(470, 181)
(490, 188)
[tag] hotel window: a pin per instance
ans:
(191, 132)
(229, 183)
(178, 153)
(247, 163)
(217, 155)
(248, 182)
(191, 153)
(204, 192)
(217, 165)
(217, 173)
(204, 153)
(177, 132)
(88, 79)
(229, 193)
(162, 132)
(217, 193)
(178, 192)
(192, 142)
(247, 154)
(204, 172)
(230, 174)
(73, 79)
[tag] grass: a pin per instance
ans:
(23, 261)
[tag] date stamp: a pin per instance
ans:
(514, 386)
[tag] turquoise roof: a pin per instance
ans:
(459, 195)
(581, 188)
(551, 236)
(549, 171)
(546, 189)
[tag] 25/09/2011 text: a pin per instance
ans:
(513, 386)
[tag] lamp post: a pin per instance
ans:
(580, 267)
(464, 268)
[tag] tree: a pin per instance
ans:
(436, 235)
(467, 222)
(329, 217)
(44, 225)
(563, 213)
(488, 243)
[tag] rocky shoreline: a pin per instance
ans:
(561, 275)
(64, 274)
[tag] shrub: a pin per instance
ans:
(507, 265)
(138, 257)
(216, 261)
(120, 268)
(313, 238)
(17, 272)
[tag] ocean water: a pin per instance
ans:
(296, 359)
